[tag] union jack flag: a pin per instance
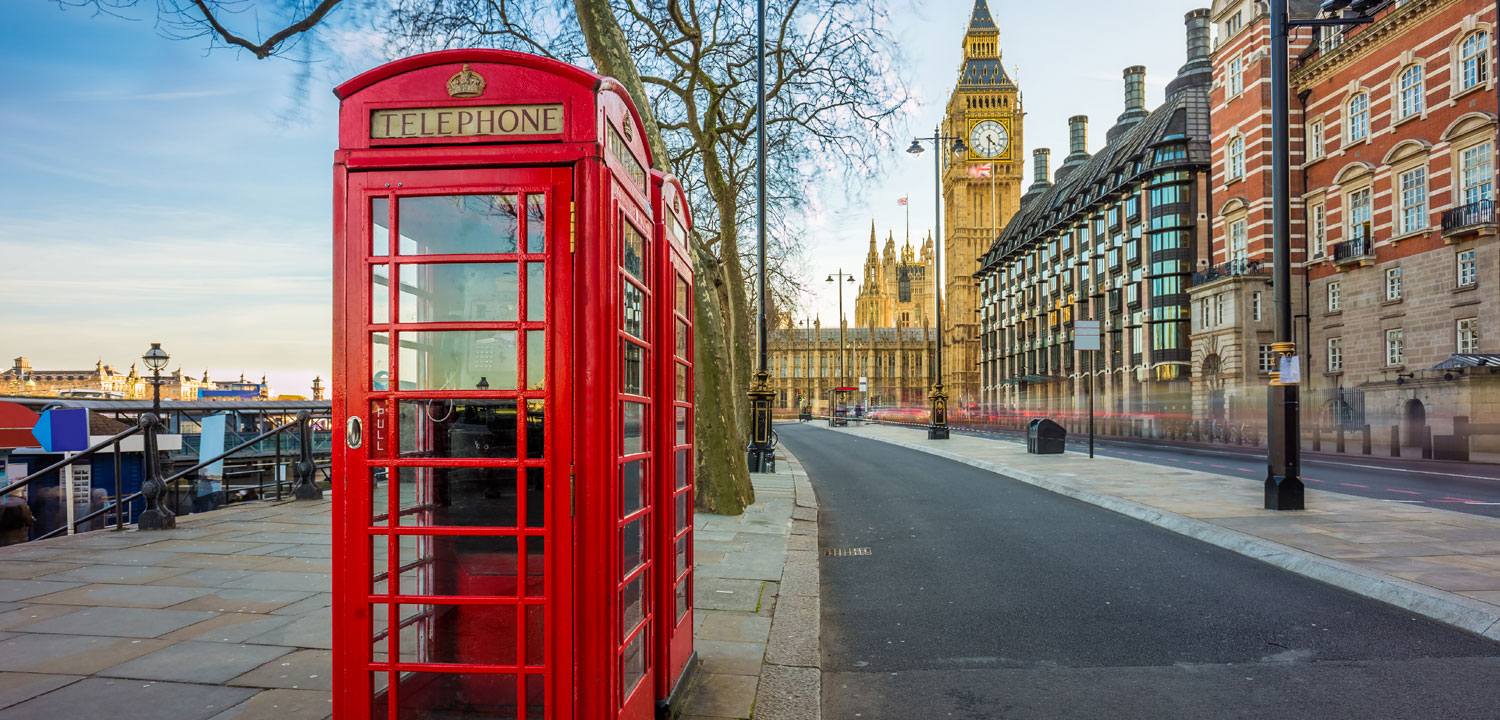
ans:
(901, 201)
(980, 170)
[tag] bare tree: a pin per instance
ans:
(834, 104)
(222, 22)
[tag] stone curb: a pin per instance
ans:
(1447, 608)
(791, 680)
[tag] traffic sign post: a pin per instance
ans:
(1086, 337)
(63, 430)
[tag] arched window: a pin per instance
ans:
(1236, 157)
(1358, 116)
(1474, 60)
(1412, 90)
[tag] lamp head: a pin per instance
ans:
(959, 148)
(916, 147)
(156, 358)
(830, 279)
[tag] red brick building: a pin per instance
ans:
(1396, 291)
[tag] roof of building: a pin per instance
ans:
(980, 18)
(1184, 116)
(1463, 360)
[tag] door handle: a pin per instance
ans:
(354, 435)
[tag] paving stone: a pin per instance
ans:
(303, 538)
(14, 590)
(138, 596)
(197, 662)
(727, 696)
(207, 578)
(70, 654)
(230, 628)
(795, 632)
(20, 687)
(282, 705)
(214, 562)
(304, 670)
(302, 607)
(733, 626)
(789, 693)
(27, 569)
(304, 551)
(309, 582)
(117, 574)
(726, 657)
(242, 601)
(209, 547)
(314, 630)
(115, 557)
(119, 622)
(19, 618)
(130, 700)
(727, 594)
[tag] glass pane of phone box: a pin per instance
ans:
(458, 696)
(458, 360)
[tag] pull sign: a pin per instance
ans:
(570, 492)
(354, 434)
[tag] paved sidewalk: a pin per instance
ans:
(1436, 563)
(756, 593)
(225, 618)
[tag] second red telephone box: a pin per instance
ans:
(508, 305)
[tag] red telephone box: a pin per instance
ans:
(499, 280)
(675, 465)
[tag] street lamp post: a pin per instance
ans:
(843, 277)
(762, 454)
(1284, 489)
(153, 488)
(938, 430)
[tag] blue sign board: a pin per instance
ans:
(63, 430)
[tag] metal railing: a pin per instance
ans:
(154, 487)
(1470, 215)
(1232, 268)
(1354, 249)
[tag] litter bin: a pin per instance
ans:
(1045, 437)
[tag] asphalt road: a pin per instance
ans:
(1465, 487)
(984, 597)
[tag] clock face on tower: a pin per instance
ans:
(989, 139)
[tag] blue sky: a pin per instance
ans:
(153, 192)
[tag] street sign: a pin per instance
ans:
(864, 384)
(16, 422)
(63, 430)
(1086, 334)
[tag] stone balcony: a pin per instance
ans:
(1475, 219)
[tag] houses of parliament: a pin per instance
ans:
(891, 338)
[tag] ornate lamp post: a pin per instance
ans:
(938, 430)
(1284, 438)
(761, 453)
(842, 277)
(153, 488)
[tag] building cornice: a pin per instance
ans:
(1366, 41)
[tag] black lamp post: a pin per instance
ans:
(761, 453)
(156, 359)
(1284, 489)
(839, 278)
(938, 430)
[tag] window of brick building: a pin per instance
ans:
(1411, 89)
(1237, 242)
(1476, 173)
(1317, 238)
(1236, 157)
(1357, 116)
(1413, 198)
(1233, 25)
(1315, 139)
(1468, 335)
(1236, 76)
(1466, 269)
(1474, 60)
(1267, 359)
(1393, 283)
(1335, 296)
(1395, 347)
(1359, 213)
(1335, 354)
(1255, 306)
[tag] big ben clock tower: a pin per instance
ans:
(980, 192)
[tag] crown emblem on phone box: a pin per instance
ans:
(465, 83)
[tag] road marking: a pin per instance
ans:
(1312, 479)
(1408, 492)
(1459, 499)
(1476, 502)
(1226, 467)
(1195, 462)
(1353, 485)
(1244, 469)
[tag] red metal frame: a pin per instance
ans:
(674, 428)
(484, 603)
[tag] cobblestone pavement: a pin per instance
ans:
(1437, 563)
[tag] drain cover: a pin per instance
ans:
(846, 552)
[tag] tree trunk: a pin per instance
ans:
(722, 474)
